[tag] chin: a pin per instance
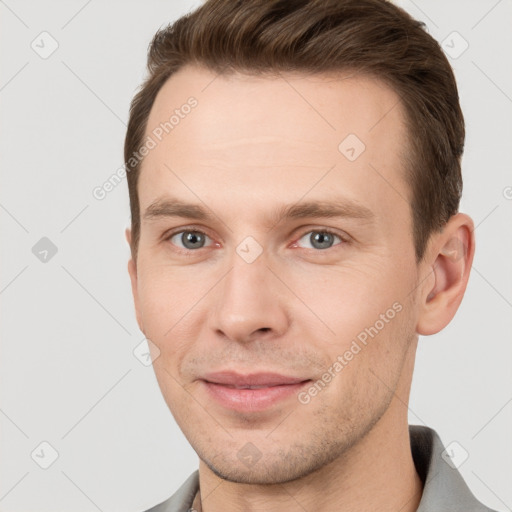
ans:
(283, 468)
(260, 476)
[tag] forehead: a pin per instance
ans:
(232, 106)
(256, 135)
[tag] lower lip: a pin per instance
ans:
(251, 400)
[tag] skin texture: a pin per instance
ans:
(251, 145)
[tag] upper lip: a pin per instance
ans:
(230, 378)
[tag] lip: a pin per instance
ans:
(227, 389)
(230, 378)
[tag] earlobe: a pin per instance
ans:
(452, 254)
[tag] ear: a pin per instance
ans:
(449, 260)
(132, 271)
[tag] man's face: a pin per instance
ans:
(263, 292)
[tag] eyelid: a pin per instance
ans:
(169, 234)
(326, 229)
(175, 231)
(344, 237)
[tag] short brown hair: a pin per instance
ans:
(373, 37)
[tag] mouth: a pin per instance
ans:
(251, 392)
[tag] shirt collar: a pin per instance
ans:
(444, 488)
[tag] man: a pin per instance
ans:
(294, 180)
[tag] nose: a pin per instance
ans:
(250, 303)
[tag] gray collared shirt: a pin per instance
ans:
(444, 489)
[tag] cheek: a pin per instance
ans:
(365, 363)
(166, 300)
(367, 314)
(167, 289)
(344, 302)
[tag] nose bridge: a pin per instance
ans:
(244, 285)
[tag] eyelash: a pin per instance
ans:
(190, 252)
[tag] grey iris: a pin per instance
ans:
(192, 239)
(321, 240)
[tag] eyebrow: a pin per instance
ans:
(342, 208)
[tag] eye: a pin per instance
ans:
(189, 239)
(320, 239)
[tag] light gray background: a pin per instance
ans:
(68, 373)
